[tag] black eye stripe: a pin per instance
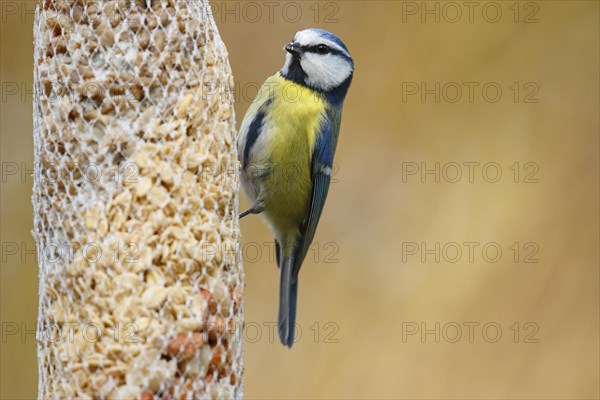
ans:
(314, 49)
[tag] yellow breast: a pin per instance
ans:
(293, 121)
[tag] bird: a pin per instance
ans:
(286, 144)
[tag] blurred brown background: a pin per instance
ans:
(364, 290)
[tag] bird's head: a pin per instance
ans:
(318, 59)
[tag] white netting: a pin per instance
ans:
(135, 202)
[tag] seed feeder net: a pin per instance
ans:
(135, 202)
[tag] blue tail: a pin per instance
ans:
(288, 294)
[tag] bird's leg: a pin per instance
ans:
(257, 183)
(255, 209)
(250, 211)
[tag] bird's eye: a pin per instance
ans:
(322, 49)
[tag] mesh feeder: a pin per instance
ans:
(135, 202)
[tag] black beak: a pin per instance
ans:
(294, 49)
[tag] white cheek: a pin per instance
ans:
(288, 62)
(325, 72)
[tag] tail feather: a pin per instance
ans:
(278, 253)
(288, 294)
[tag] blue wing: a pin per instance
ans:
(322, 164)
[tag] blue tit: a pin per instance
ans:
(286, 145)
